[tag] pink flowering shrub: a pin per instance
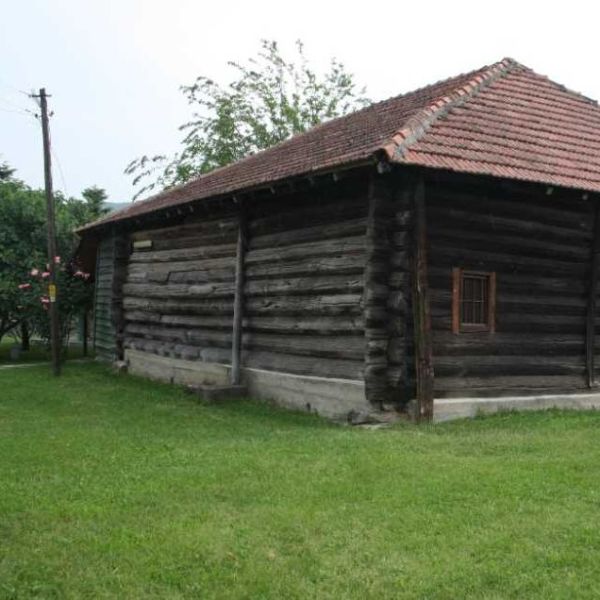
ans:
(74, 295)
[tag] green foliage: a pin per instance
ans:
(114, 487)
(270, 99)
(76, 295)
(6, 172)
(23, 243)
(95, 200)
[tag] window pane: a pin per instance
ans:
(474, 299)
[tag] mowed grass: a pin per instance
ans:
(114, 487)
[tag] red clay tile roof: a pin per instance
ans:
(503, 120)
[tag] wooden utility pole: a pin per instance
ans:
(52, 291)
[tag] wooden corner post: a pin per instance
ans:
(238, 301)
(590, 334)
(421, 309)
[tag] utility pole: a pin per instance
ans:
(52, 291)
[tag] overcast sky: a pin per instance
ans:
(114, 67)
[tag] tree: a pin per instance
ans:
(23, 248)
(95, 199)
(270, 100)
(6, 172)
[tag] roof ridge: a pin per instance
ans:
(416, 127)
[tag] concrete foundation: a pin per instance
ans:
(460, 408)
(339, 399)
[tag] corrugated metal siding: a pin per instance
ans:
(104, 328)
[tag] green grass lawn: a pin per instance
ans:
(113, 487)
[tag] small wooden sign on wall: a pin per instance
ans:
(142, 244)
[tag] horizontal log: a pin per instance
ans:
(142, 316)
(304, 305)
(197, 253)
(346, 347)
(524, 323)
(576, 218)
(304, 285)
(303, 365)
(441, 278)
(335, 265)
(180, 307)
(575, 301)
(176, 290)
(470, 220)
(497, 261)
(193, 225)
(189, 275)
(139, 269)
(333, 230)
(350, 245)
(481, 366)
(321, 211)
(186, 335)
(186, 352)
(452, 387)
(194, 241)
(334, 325)
(484, 239)
(509, 344)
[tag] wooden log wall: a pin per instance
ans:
(303, 284)
(379, 247)
(538, 241)
(178, 295)
(104, 330)
(400, 330)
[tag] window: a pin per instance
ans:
(473, 301)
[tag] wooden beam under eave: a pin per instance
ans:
(421, 308)
(238, 300)
(590, 336)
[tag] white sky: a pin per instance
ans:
(114, 67)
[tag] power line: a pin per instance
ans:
(12, 110)
(60, 170)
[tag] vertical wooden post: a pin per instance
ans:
(376, 289)
(84, 332)
(121, 251)
(238, 301)
(590, 336)
(456, 279)
(421, 309)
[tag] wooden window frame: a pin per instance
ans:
(458, 274)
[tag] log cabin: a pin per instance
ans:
(434, 254)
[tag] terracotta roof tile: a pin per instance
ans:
(503, 120)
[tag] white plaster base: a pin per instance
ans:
(332, 398)
(460, 408)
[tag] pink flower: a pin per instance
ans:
(86, 275)
(57, 260)
(24, 286)
(45, 275)
(78, 273)
(44, 299)
(35, 272)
